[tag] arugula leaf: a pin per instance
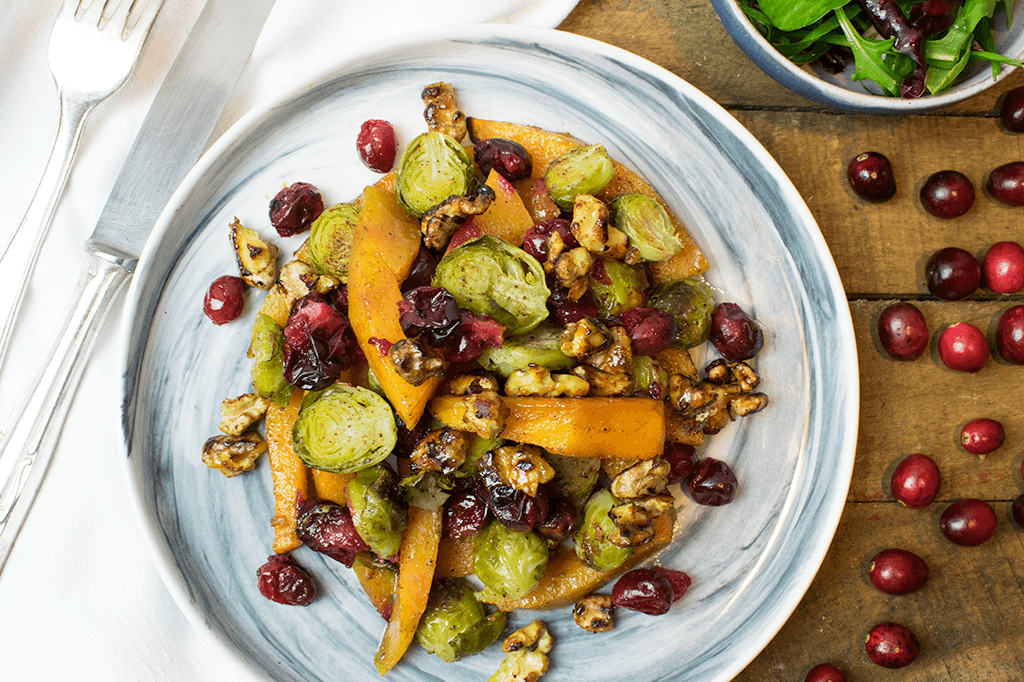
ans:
(789, 15)
(867, 56)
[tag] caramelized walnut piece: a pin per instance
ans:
(539, 381)
(442, 112)
(595, 613)
(440, 223)
(634, 520)
(590, 223)
(526, 652)
(571, 269)
(231, 455)
(521, 466)
(603, 384)
(256, 258)
(465, 384)
(238, 414)
(646, 477)
(707, 406)
(583, 337)
(415, 362)
(483, 413)
(441, 450)
(616, 355)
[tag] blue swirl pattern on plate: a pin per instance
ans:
(751, 561)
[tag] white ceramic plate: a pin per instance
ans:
(751, 561)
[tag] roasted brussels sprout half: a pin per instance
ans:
(433, 167)
(455, 624)
(267, 354)
(344, 429)
(649, 378)
(616, 286)
(592, 544)
(509, 562)
(330, 240)
(647, 225)
(478, 447)
(491, 277)
(541, 347)
(582, 170)
(690, 301)
(378, 512)
(575, 477)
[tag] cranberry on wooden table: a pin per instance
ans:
(1010, 335)
(225, 299)
(947, 194)
(963, 348)
(915, 482)
(969, 522)
(898, 571)
(825, 672)
(377, 145)
(952, 273)
(1011, 112)
(1017, 511)
(1003, 267)
(295, 208)
(870, 176)
(284, 581)
(892, 645)
(1006, 183)
(982, 436)
(903, 331)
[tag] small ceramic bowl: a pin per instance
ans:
(840, 91)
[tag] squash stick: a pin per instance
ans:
(289, 474)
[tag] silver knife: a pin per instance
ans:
(174, 134)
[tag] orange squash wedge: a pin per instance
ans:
(289, 474)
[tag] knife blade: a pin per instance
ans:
(173, 135)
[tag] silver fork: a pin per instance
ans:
(93, 47)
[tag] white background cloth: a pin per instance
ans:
(79, 596)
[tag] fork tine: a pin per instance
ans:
(140, 18)
(90, 12)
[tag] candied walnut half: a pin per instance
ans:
(522, 467)
(238, 414)
(231, 455)
(257, 259)
(539, 381)
(595, 613)
(646, 477)
(707, 406)
(634, 520)
(441, 450)
(442, 113)
(571, 268)
(483, 413)
(467, 384)
(526, 652)
(583, 337)
(590, 223)
(616, 355)
(604, 383)
(440, 223)
(415, 362)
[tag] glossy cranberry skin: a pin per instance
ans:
(562, 521)
(898, 572)
(683, 459)
(903, 332)
(565, 310)
(295, 208)
(465, 512)
(1010, 335)
(1017, 510)
(982, 436)
(952, 273)
(1006, 183)
(825, 672)
(713, 483)
(947, 194)
(1003, 267)
(327, 528)
(514, 508)
(968, 522)
(429, 313)
(650, 330)
(284, 581)
(509, 158)
(915, 481)
(734, 334)
(1011, 112)
(225, 299)
(474, 335)
(891, 645)
(870, 176)
(962, 347)
(318, 344)
(377, 145)
(679, 580)
(644, 590)
(535, 241)
(422, 271)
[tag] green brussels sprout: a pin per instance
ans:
(267, 353)
(691, 302)
(592, 545)
(649, 378)
(330, 240)
(582, 170)
(616, 286)
(427, 489)
(373, 383)
(455, 624)
(647, 225)
(433, 167)
(345, 429)
(509, 562)
(491, 277)
(541, 347)
(575, 477)
(378, 513)
(478, 447)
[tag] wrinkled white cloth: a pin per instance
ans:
(79, 596)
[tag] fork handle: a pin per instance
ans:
(33, 427)
(19, 258)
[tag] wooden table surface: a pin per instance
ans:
(968, 616)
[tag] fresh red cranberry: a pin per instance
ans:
(644, 590)
(377, 145)
(562, 521)
(295, 208)
(898, 572)
(535, 241)
(1017, 510)
(1006, 183)
(982, 436)
(327, 528)
(474, 335)
(915, 482)
(870, 176)
(650, 330)
(1003, 267)
(713, 483)
(465, 512)
(952, 273)
(903, 332)
(683, 459)
(825, 672)
(1011, 112)
(962, 347)
(430, 313)
(284, 581)
(225, 299)
(679, 580)
(509, 158)
(734, 334)
(968, 522)
(1010, 335)
(891, 645)
(947, 194)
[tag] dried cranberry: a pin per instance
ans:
(225, 299)
(473, 336)
(295, 208)
(327, 528)
(933, 16)
(679, 580)
(465, 512)
(645, 590)
(377, 145)
(430, 313)
(284, 581)
(683, 460)
(870, 175)
(947, 194)
(467, 231)
(422, 271)
(891, 645)
(650, 330)
(562, 521)
(567, 311)
(409, 438)
(517, 510)
(509, 158)
(535, 241)
(734, 334)
(713, 483)
(318, 344)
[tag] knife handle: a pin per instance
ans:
(33, 427)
